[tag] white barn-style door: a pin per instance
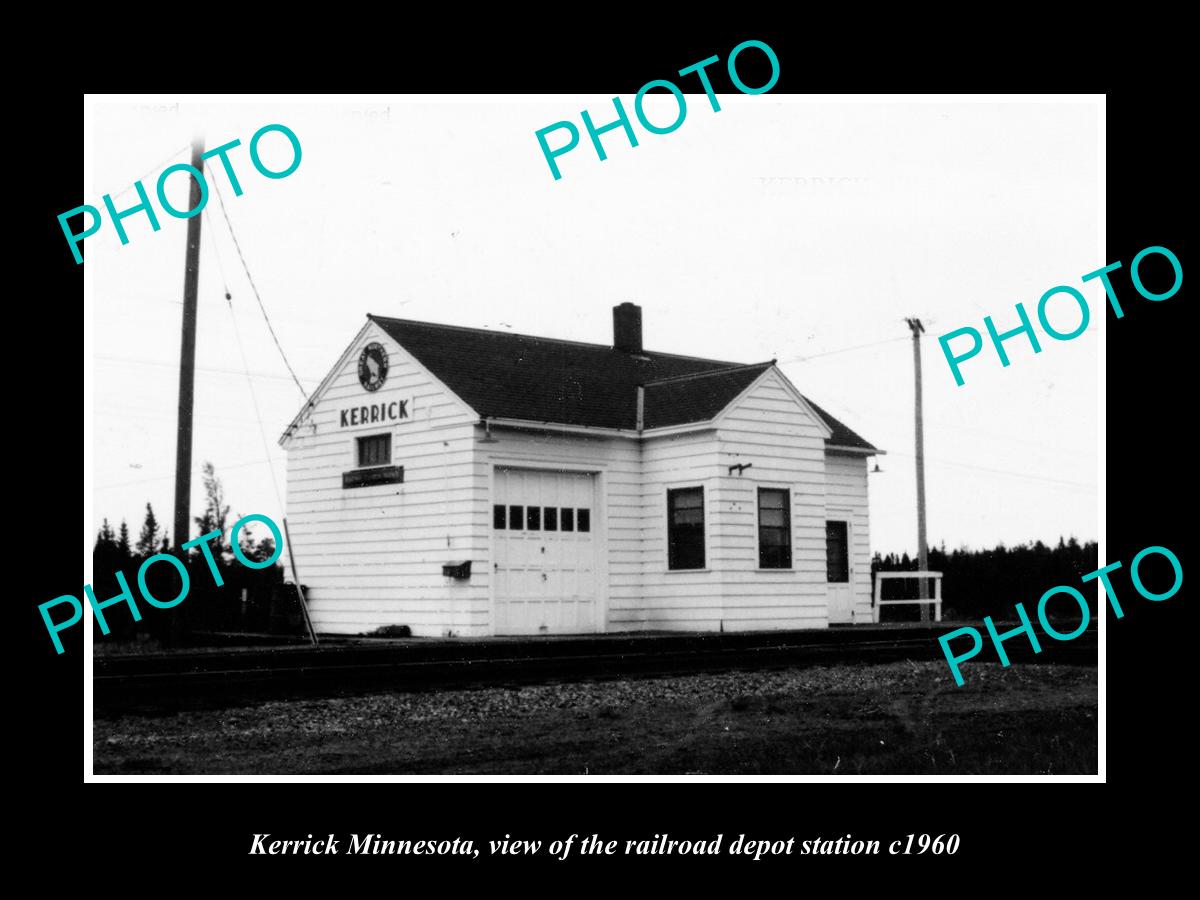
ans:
(544, 547)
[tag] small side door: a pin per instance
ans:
(838, 571)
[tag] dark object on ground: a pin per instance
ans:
(397, 631)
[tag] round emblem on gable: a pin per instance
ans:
(373, 367)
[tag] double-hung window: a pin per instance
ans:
(774, 529)
(685, 528)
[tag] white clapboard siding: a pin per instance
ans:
(373, 556)
(784, 444)
(846, 481)
(673, 600)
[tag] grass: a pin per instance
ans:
(900, 718)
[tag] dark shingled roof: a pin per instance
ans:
(842, 436)
(696, 398)
(516, 376)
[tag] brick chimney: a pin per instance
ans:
(627, 328)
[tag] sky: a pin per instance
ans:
(779, 228)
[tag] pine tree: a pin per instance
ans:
(123, 541)
(216, 510)
(105, 537)
(148, 539)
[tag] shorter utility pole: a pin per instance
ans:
(922, 547)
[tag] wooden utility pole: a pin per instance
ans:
(922, 547)
(187, 359)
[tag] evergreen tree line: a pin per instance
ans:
(207, 606)
(978, 583)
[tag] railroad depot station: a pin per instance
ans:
(461, 481)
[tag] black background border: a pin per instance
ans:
(1147, 398)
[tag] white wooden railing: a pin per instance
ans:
(936, 599)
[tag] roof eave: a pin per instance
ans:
(532, 424)
(311, 400)
(659, 431)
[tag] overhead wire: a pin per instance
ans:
(800, 359)
(928, 422)
(131, 361)
(148, 173)
(1028, 477)
(254, 397)
(215, 250)
(195, 470)
(254, 288)
(246, 364)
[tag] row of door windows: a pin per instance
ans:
(541, 518)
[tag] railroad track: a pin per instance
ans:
(186, 680)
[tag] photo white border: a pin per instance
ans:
(90, 103)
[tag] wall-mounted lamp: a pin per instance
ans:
(487, 434)
(877, 470)
(739, 468)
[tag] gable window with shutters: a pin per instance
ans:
(774, 529)
(685, 528)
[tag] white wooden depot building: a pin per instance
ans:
(463, 481)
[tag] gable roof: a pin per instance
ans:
(502, 375)
(697, 397)
(842, 435)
